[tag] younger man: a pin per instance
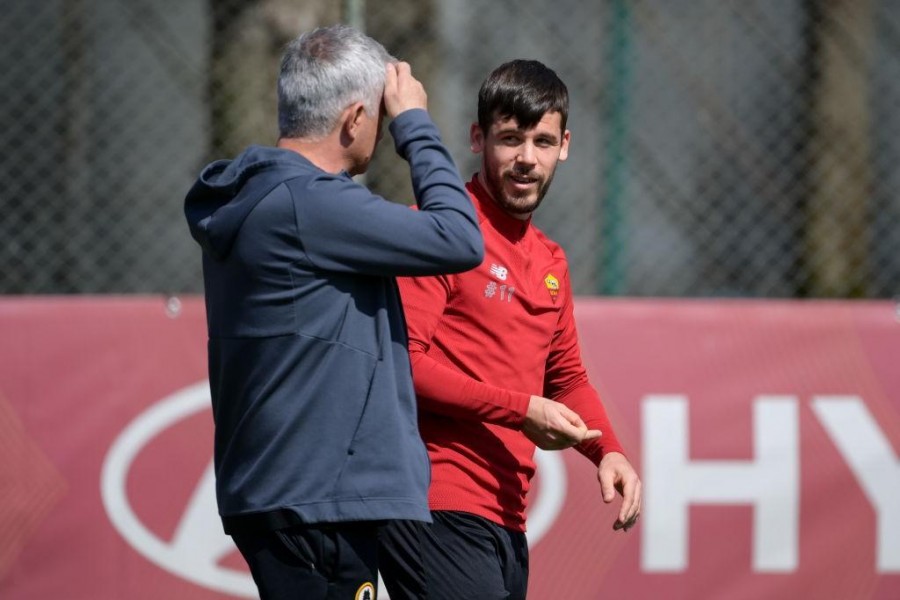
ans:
(496, 364)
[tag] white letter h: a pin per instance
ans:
(770, 482)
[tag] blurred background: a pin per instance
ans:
(719, 149)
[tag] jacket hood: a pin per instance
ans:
(228, 190)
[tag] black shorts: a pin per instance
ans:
(459, 556)
(313, 562)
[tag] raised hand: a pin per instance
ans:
(402, 91)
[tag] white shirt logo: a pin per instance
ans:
(499, 271)
(506, 291)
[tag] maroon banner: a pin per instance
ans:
(767, 434)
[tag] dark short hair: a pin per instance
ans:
(524, 89)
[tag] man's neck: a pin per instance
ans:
(324, 153)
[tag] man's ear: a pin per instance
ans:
(476, 138)
(564, 146)
(353, 119)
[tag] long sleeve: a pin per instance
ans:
(439, 388)
(481, 343)
(566, 381)
(343, 227)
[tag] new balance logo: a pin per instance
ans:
(500, 272)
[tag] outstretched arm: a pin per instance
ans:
(567, 382)
(549, 424)
(442, 390)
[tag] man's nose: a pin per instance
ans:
(526, 154)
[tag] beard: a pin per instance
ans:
(522, 203)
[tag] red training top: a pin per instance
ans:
(481, 343)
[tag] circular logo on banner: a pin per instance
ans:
(195, 551)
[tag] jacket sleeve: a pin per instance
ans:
(344, 227)
(566, 381)
(439, 388)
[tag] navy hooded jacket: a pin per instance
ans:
(314, 409)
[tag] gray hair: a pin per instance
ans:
(324, 71)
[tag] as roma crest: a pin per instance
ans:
(552, 284)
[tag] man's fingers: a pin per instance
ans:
(554, 426)
(607, 485)
(632, 520)
(591, 434)
(636, 511)
(631, 504)
(627, 515)
(397, 71)
(616, 474)
(627, 522)
(402, 91)
(403, 69)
